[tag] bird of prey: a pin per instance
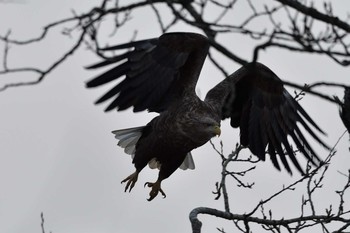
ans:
(160, 75)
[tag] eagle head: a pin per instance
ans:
(201, 128)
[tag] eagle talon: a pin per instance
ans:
(149, 184)
(155, 190)
(131, 181)
(163, 193)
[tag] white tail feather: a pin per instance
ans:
(128, 139)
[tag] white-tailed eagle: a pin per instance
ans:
(160, 75)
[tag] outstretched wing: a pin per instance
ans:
(157, 72)
(255, 101)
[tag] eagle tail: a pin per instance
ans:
(128, 138)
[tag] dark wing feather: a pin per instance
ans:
(345, 109)
(157, 72)
(255, 100)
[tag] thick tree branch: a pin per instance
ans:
(197, 224)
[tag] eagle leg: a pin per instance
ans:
(131, 181)
(155, 190)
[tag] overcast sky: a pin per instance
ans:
(57, 154)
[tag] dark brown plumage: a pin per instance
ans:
(345, 109)
(161, 76)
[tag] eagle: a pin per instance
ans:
(160, 75)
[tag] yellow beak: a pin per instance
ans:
(217, 130)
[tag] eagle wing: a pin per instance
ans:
(157, 72)
(255, 101)
(345, 109)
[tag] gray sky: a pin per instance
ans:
(57, 154)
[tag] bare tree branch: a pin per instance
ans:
(42, 223)
(310, 11)
(313, 180)
(300, 37)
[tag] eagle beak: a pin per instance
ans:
(217, 130)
